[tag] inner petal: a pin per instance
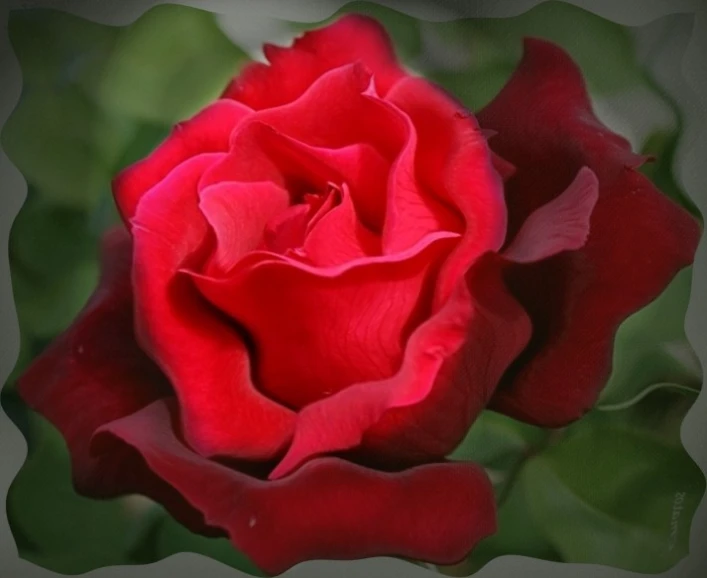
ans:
(337, 326)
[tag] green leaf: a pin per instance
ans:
(46, 238)
(171, 538)
(47, 306)
(651, 347)
(663, 145)
(496, 441)
(68, 533)
(620, 489)
(64, 145)
(517, 534)
(55, 47)
(165, 66)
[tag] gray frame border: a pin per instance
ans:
(688, 86)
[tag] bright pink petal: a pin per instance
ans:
(352, 38)
(238, 214)
(560, 225)
(330, 509)
(206, 132)
(319, 330)
(451, 367)
(638, 240)
(205, 358)
(454, 163)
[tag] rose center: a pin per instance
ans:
(286, 233)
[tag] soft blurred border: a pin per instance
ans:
(252, 22)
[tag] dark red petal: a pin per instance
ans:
(352, 38)
(451, 366)
(206, 132)
(95, 372)
(321, 329)
(453, 161)
(638, 237)
(330, 509)
(205, 358)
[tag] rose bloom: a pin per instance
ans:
(328, 273)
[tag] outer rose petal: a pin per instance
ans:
(95, 373)
(352, 38)
(639, 238)
(330, 509)
(204, 356)
(207, 132)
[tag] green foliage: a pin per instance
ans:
(64, 532)
(189, 62)
(491, 48)
(651, 348)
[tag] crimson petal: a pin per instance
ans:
(330, 509)
(206, 132)
(204, 356)
(639, 238)
(352, 38)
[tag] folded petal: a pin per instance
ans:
(95, 372)
(238, 214)
(454, 163)
(352, 38)
(339, 237)
(330, 509)
(451, 366)
(639, 239)
(204, 356)
(260, 152)
(333, 326)
(207, 132)
(560, 225)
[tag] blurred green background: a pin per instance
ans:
(96, 98)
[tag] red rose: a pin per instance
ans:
(324, 279)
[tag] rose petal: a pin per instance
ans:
(352, 38)
(205, 358)
(259, 151)
(95, 365)
(330, 509)
(451, 366)
(560, 225)
(327, 115)
(639, 238)
(339, 237)
(238, 214)
(453, 162)
(412, 212)
(337, 325)
(208, 131)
